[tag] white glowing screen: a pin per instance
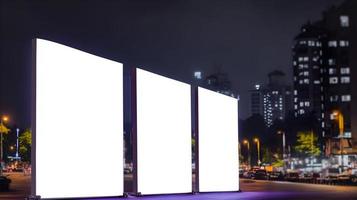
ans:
(79, 123)
(163, 135)
(218, 142)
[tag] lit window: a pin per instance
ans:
(315, 58)
(331, 61)
(301, 111)
(332, 43)
(333, 80)
(345, 70)
(346, 98)
(306, 73)
(344, 21)
(301, 104)
(344, 43)
(322, 115)
(294, 63)
(331, 71)
(323, 124)
(302, 42)
(306, 81)
(300, 59)
(307, 104)
(311, 43)
(295, 100)
(316, 82)
(334, 98)
(306, 58)
(295, 107)
(198, 75)
(345, 79)
(295, 92)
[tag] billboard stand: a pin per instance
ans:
(194, 114)
(134, 130)
(33, 121)
(42, 99)
(199, 103)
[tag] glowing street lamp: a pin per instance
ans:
(246, 142)
(256, 140)
(339, 117)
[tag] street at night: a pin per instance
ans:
(174, 100)
(251, 189)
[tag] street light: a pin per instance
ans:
(256, 140)
(284, 155)
(339, 117)
(3, 130)
(246, 142)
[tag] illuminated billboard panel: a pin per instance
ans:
(79, 123)
(218, 142)
(163, 134)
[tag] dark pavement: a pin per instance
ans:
(251, 190)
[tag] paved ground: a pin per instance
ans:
(19, 188)
(251, 190)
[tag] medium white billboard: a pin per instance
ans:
(163, 135)
(218, 142)
(79, 123)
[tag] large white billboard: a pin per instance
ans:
(163, 135)
(79, 123)
(218, 142)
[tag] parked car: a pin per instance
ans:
(330, 175)
(248, 174)
(276, 176)
(348, 177)
(260, 174)
(4, 183)
(292, 176)
(310, 177)
(241, 172)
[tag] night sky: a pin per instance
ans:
(244, 38)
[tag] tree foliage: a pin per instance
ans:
(3, 129)
(307, 144)
(25, 145)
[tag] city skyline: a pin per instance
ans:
(173, 39)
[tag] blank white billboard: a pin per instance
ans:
(79, 123)
(163, 135)
(218, 142)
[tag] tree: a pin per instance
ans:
(25, 145)
(307, 144)
(3, 129)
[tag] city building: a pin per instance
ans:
(274, 100)
(256, 100)
(324, 58)
(218, 82)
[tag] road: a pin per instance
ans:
(19, 188)
(251, 190)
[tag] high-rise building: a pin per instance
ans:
(324, 62)
(218, 82)
(256, 100)
(273, 100)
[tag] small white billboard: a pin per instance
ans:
(163, 134)
(218, 142)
